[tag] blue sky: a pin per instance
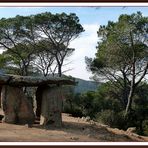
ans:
(86, 14)
(90, 18)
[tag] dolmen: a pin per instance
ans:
(18, 109)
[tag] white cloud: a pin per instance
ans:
(85, 45)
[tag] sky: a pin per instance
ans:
(90, 18)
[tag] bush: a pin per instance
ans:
(107, 105)
(145, 127)
(75, 111)
(111, 118)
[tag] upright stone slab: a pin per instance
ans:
(0, 95)
(51, 107)
(16, 107)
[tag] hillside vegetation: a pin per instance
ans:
(84, 86)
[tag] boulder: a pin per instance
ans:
(16, 106)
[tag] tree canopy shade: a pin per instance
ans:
(27, 38)
(122, 54)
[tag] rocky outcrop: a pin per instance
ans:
(16, 106)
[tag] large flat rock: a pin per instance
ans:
(16, 80)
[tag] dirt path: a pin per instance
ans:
(73, 130)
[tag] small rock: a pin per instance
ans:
(89, 135)
(79, 119)
(131, 129)
(74, 138)
(28, 125)
(92, 122)
(87, 118)
(136, 135)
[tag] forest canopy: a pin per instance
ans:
(122, 60)
(37, 43)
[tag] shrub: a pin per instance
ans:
(145, 128)
(111, 118)
(75, 111)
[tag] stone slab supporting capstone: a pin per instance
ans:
(0, 95)
(16, 106)
(51, 107)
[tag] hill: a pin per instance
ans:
(84, 86)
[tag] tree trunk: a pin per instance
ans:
(125, 91)
(141, 127)
(125, 98)
(132, 88)
(129, 103)
(59, 70)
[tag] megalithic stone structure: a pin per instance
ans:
(18, 109)
(16, 106)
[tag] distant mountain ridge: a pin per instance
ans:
(85, 85)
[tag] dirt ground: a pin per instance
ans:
(73, 130)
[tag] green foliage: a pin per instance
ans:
(112, 112)
(106, 106)
(118, 40)
(87, 104)
(71, 102)
(121, 59)
(3, 61)
(58, 30)
(111, 118)
(145, 128)
(60, 27)
(42, 37)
